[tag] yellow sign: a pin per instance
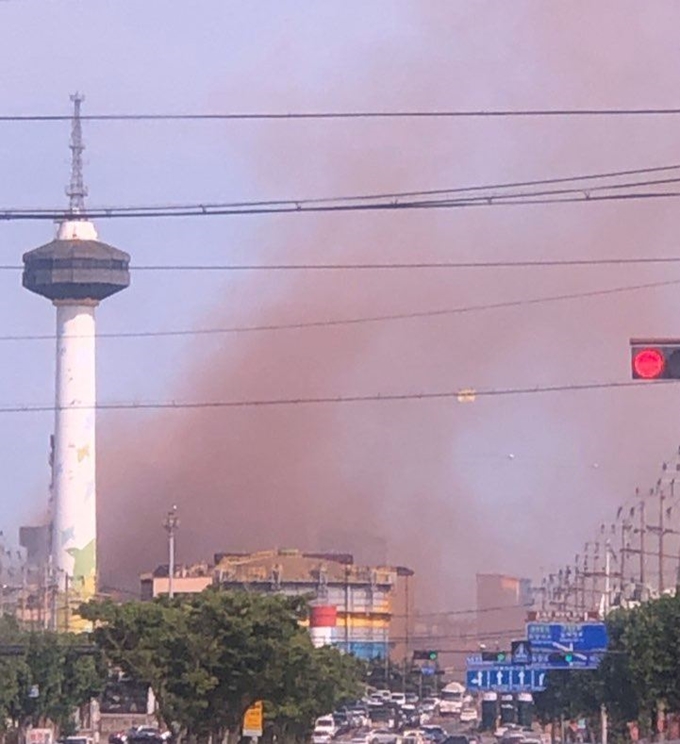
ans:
(253, 720)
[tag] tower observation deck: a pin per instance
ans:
(76, 271)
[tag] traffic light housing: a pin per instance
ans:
(425, 655)
(566, 657)
(498, 657)
(655, 359)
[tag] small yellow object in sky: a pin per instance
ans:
(468, 395)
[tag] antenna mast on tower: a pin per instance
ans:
(76, 190)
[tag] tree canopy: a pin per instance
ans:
(48, 680)
(636, 680)
(209, 656)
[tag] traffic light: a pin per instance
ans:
(425, 655)
(561, 658)
(499, 657)
(655, 359)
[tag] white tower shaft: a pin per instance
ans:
(74, 547)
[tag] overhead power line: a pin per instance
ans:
(603, 175)
(13, 215)
(360, 320)
(462, 394)
(456, 197)
(469, 611)
(366, 114)
(397, 265)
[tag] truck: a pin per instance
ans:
(451, 699)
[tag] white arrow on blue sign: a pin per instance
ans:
(506, 679)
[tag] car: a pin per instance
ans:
(383, 736)
(411, 716)
(147, 735)
(360, 739)
(456, 739)
(358, 717)
(342, 723)
(430, 705)
(324, 730)
(433, 733)
(468, 715)
(399, 698)
(412, 698)
(513, 737)
(412, 736)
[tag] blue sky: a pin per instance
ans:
(283, 55)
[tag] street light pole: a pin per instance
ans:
(171, 524)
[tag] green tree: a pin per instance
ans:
(208, 657)
(316, 681)
(53, 664)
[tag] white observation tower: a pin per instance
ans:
(75, 272)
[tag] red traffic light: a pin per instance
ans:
(648, 363)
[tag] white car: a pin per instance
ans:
(412, 737)
(324, 730)
(399, 698)
(360, 739)
(384, 736)
(430, 705)
(468, 715)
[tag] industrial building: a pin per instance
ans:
(502, 606)
(367, 611)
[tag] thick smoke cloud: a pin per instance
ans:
(507, 484)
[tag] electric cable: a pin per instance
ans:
(464, 395)
(419, 265)
(366, 114)
(402, 194)
(363, 202)
(358, 320)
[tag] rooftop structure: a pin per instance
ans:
(360, 609)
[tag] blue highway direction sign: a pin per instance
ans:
(571, 636)
(506, 679)
(570, 660)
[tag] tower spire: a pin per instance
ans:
(76, 190)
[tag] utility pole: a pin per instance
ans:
(347, 608)
(586, 566)
(642, 529)
(67, 603)
(171, 524)
(662, 497)
(577, 580)
(23, 594)
(407, 653)
(593, 576)
(607, 584)
(625, 528)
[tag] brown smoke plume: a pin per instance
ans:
(426, 483)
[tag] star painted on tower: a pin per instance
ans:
(68, 535)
